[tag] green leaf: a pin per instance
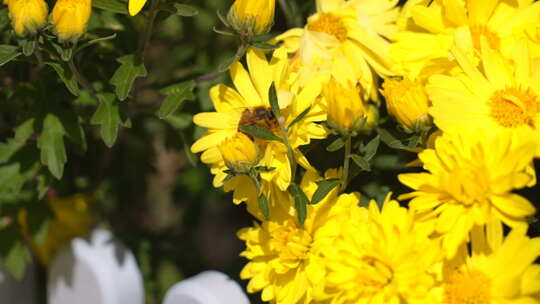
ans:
(264, 46)
(8, 53)
(224, 66)
(264, 169)
(371, 148)
(114, 6)
(361, 162)
(264, 207)
(108, 117)
(185, 10)
(51, 144)
(300, 117)
(94, 41)
(11, 181)
(274, 104)
(17, 259)
(324, 187)
(336, 145)
(260, 133)
(176, 95)
(300, 202)
(66, 76)
(180, 121)
(22, 134)
(129, 70)
(28, 46)
(390, 140)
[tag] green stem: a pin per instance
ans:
(80, 78)
(290, 152)
(144, 41)
(346, 164)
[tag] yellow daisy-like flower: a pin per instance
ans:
(502, 96)
(422, 46)
(27, 16)
(469, 183)
(494, 270)
(249, 105)
(344, 40)
(285, 260)
(70, 18)
(384, 256)
(72, 218)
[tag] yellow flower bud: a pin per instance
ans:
(135, 6)
(27, 16)
(240, 153)
(253, 17)
(407, 101)
(70, 18)
(345, 109)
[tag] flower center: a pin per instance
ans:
(374, 275)
(291, 243)
(479, 31)
(513, 108)
(467, 287)
(329, 24)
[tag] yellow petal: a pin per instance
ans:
(513, 205)
(135, 6)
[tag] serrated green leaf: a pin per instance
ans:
(176, 95)
(260, 133)
(114, 6)
(336, 145)
(22, 134)
(108, 117)
(66, 76)
(274, 104)
(300, 117)
(300, 202)
(124, 77)
(390, 140)
(371, 148)
(51, 144)
(185, 10)
(8, 53)
(323, 188)
(264, 207)
(361, 162)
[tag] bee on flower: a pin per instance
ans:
(27, 16)
(249, 105)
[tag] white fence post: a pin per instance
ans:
(209, 287)
(99, 271)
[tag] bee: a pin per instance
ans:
(259, 116)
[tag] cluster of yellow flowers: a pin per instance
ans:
(469, 69)
(69, 17)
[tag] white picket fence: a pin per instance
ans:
(103, 271)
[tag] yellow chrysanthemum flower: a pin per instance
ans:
(469, 182)
(252, 17)
(239, 153)
(135, 6)
(383, 256)
(70, 18)
(493, 270)
(422, 47)
(408, 102)
(344, 40)
(285, 260)
(345, 107)
(27, 16)
(249, 105)
(71, 219)
(502, 96)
